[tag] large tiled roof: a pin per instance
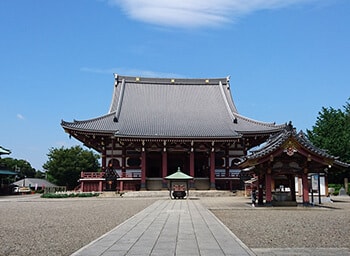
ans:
(162, 107)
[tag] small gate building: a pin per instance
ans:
(289, 165)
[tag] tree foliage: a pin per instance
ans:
(332, 132)
(65, 164)
(21, 166)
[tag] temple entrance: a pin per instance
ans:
(154, 165)
(176, 160)
(283, 190)
(201, 165)
(111, 179)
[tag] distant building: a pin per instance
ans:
(34, 183)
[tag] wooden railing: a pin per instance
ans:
(129, 174)
(222, 174)
(101, 175)
(92, 175)
(137, 174)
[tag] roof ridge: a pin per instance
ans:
(227, 105)
(172, 80)
(120, 100)
(272, 143)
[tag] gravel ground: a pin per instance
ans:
(34, 226)
(325, 226)
(37, 226)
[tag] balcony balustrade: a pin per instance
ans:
(101, 175)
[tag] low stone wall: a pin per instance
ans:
(201, 184)
(154, 184)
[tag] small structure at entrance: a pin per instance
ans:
(178, 184)
(111, 177)
(288, 165)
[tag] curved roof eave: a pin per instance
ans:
(247, 125)
(341, 164)
(94, 125)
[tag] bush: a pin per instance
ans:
(66, 195)
(336, 187)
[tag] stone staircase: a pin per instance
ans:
(165, 194)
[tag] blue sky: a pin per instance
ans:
(287, 59)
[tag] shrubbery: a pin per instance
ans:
(67, 195)
(336, 187)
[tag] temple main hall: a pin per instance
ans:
(156, 126)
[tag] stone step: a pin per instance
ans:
(165, 193)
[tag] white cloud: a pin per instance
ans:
(20, 116)
(196, 13)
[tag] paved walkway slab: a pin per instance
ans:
(169, 227)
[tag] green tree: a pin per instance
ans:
(65, 164)
(40, 175)
(23, 167)
(332, 132)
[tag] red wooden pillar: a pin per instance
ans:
(292, 187)
(227, 169)
(143, 169)
(121, 183)
(260, 189)
(191, 167)
(212, 169)
(123, 161)
(100, 186)
(305, 185)
(82, 186)
(227, 164)
(268, 186)
(164, 168)
(104, 160)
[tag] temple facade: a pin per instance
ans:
(156, 125)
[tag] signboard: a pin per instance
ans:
(314, 182)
